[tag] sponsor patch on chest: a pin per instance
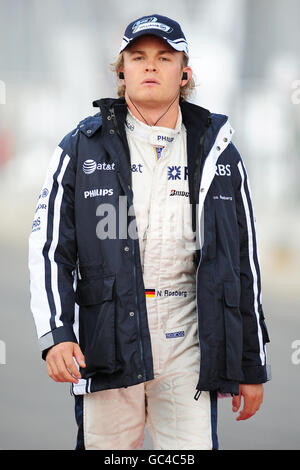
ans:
(223, 170)
(175, 334)
(90, 166)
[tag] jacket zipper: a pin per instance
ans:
(113, 117)
(138, 313)
(198, 392)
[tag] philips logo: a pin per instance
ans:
(98, 192)
(89, 166)
(165, 138)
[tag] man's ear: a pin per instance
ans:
(186, 75)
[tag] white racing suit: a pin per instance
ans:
(115, 419)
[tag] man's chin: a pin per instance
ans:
(150, 98)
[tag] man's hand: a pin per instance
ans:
(253, 397)
(60, 363)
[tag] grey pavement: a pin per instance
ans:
(37, 413)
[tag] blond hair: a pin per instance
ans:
(185, 91)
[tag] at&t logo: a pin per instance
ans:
(89, 166)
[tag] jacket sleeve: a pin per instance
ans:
(255, 334)
(53, 253)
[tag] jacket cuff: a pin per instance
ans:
(59, 335)
(256, 374)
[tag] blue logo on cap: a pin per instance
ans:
(144, 20)
(150, 23)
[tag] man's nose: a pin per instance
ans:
(150, 66)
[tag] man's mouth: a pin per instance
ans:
(150, 81)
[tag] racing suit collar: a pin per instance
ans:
(155, 135)
(194, 117)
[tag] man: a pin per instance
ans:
(145, 280)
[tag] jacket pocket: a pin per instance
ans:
(233, 331)
(97, 325)
(91, 291)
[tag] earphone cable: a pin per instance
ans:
(160, 116)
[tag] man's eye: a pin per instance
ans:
(164, 59)
(138, 58)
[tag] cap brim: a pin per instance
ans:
(179, 45)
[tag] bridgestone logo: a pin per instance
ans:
(174, 192)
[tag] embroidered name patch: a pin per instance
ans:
(175, 334)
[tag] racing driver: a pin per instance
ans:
(144, 269)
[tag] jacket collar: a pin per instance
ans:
(194, 117)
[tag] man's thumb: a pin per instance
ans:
(79, 356)
(236, 402)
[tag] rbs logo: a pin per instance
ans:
(223, 170)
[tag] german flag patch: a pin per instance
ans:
(150, 292)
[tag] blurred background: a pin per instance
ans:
(55, 60)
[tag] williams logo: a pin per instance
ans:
(150, 23)
(89, 166)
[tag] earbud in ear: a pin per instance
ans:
(121, 75)
(184, 76)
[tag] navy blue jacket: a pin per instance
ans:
(90, 286)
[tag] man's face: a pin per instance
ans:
(152, 71)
